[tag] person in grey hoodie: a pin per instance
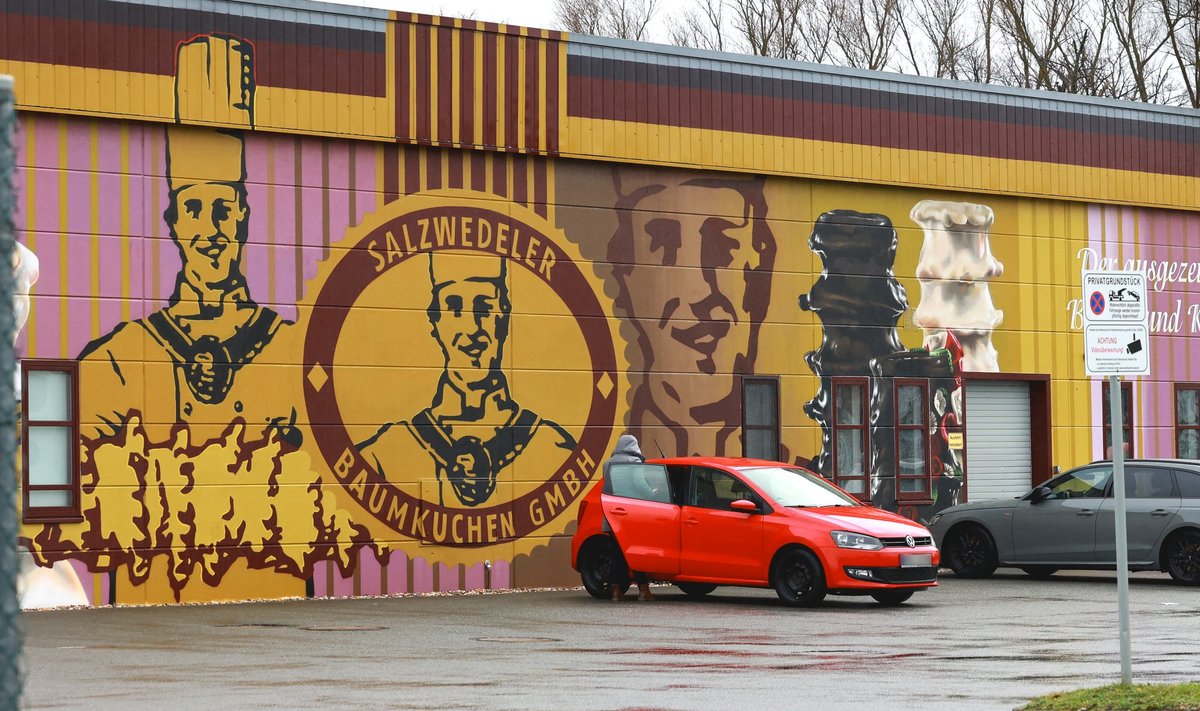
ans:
(627, 451)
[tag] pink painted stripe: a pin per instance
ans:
(422, 577)
(501, 575)
(397, 573)
(370, 573)
(474, 578)
(343, 586)
(88, 580)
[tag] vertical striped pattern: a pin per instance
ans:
(520, 178)
(467, 83)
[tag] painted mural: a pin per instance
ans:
(328, 367)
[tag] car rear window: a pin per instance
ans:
(1189, 483)
(647, 482)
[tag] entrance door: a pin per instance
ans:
(636, 499)
(1061, 528)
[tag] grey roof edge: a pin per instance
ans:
(314, 6)
(1043, 96)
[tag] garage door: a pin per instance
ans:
(999, 464)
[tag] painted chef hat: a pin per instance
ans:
(214, 84)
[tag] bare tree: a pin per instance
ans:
(1182, 19)
(1140, 31)
(624, 19)
(702, 28)
(938, 38)
(864, 32)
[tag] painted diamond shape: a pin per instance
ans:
(317, 377)
(604, 384)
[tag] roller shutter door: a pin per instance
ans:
(999, 465)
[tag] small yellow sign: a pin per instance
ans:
(955, 440)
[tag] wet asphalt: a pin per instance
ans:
(990, 644)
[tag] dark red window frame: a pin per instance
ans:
(1126, 416)
(863, 427)
(51, 514)
(1179, 427)
(774, 428)
(925, 495)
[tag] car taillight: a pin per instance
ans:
(582, 508)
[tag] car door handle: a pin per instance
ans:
(692, 521)
(1160, 512)
(1085, 512)
(619, 511)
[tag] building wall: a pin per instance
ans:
(434, 346)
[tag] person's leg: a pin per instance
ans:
(643, 584)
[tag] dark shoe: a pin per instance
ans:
(617, 594)
(644, 593)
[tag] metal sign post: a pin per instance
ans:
(1116, 338)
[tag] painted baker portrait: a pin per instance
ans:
(473, 428)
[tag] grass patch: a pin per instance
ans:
(1122, 697)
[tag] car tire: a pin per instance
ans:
(598, 561)
(1182, 557)
(696, 589)
(970, 552)
(892, 598)
(1041, 572)
(799, 579)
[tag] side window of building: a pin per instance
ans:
(912, 440)
(50, 440)
(850, 435)
(760, 418)
(1126, 420)
(647, 482)
(1187, 421)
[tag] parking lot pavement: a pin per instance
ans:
(988, 644)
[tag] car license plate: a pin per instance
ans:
(915, 560)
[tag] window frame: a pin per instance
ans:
(1178, 429)
(51, 514)
(775, 428)
(925, 496)
(1126, 425)
(865, 428)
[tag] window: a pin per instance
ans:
(1148, 483)
(713, 489)
(1090, 483)
(912, 440)
(50, 437)
(647, 482)
(760, 418)
(1187, 421)
(1126, 420)
(1189, 483)
(850, 432)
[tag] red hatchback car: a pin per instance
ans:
(701, 522)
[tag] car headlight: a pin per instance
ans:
(934, 519)
(859, 541)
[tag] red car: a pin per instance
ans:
(701, 522)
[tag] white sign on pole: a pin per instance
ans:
(1116, 328)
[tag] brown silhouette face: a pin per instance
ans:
(207, 224)
(468, 328)
(703, 235)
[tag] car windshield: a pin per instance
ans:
(789, 486)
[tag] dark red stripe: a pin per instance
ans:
(423, 129)
(500, 174)
(541, 194)
(490, 80)
(445, 83)
(553, 100)
(511, 75)
(466, 89)
(391, 173)
(403, 85)
(478, 171)
(150, 50)
(433, 169)
(412, 170)
(520, 164)
(532, 94)
(454, 172)
(845, 123)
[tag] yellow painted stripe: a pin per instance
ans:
(64, 211)
(433, 83)
(478, 90)
(126, 209)
(385, 125)
(94, 247)
(522, 75)
(30, 127)
(412, 79)
(455, 83)
(500, 93)
(543, 99)
(840, 161)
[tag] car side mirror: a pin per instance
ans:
(1040, 494)
(744, 505)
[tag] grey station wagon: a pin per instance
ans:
(1068, 523)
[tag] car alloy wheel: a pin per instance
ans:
(971, 552)
(799, 579)
(1183, 558)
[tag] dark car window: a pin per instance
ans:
(1189, 483)
(647, 482)
(1148, 483)
(715, 489)
(1088, 483)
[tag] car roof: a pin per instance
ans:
(1154, 460)
(728, 462)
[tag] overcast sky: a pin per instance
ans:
(529, 13)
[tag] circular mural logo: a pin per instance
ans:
(460, 371)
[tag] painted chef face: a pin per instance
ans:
(207, 221)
